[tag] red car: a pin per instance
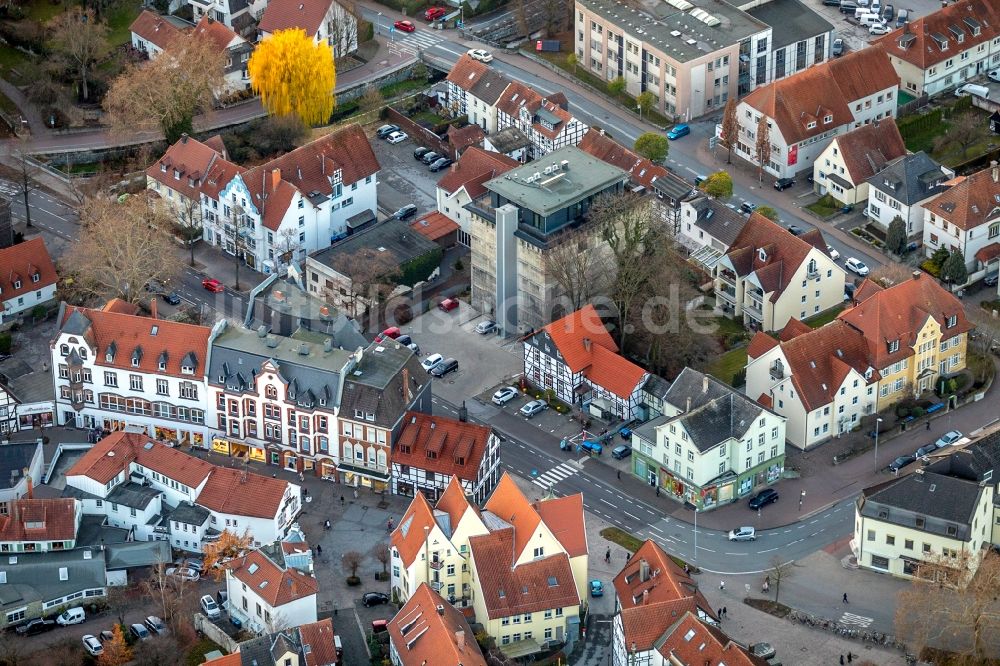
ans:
(212, 285)
(392, 332)
(405, 26)
(448, 304)
(434, 13)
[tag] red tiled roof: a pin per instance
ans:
(691, 641)
(899, 312)
(509, 504)
(614, 372)
(119, 306)
(453, 502)
(39, 520)
(155, 29)
(470, 135)
(286, 14)
(915, 43)
(765, 401)
(987, 254)
(19, 263)
(229, 491)
(466, 72)
(793, 329)
(217, 32)
(435, 632)
(473, 168)
(152, 337)
(191, 161)
(451, 440)
(641, 170)
(318, 636)
(564, 517)
(761, 343)
(823, 90)
(434, 225)
(518, 95)
(867, 149)
(653, 590)
(534, 586)
(408, 537)
(575, 332)
(270, 582)
(971, 201)
(234, 659)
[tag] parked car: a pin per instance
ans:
(71, 616)
(397, 137)
(596, 588)
(212, 285)
(370, 599)
(763, 498)
(926, 449)
(505, 395)
(743, 534)
(762, 650)
(838, 48)
(406, 211)
(625, 433)
(795, 230)
(386, 130)
(210, 608)
(430, 157)
(34, 627)
(404, 340)
(677, 131)
(900, 462)
(444, 367)
(432, 360)
(440, 163)
(888, 12)
(993, 74)
(831, 3)
(783, 183)
(448, 304)
(92, 645)
(879, 29)
(482, 55)
(171, 297)
(140, 632)
(748, 207)
(486, 327)
(434, 13)
(832, 251)
(534, 407)
(420, 152)
(184, 573)
(155, 625)
(621, 452)
(106, 636)
(902, 17)
(948, 439)
(390, 333)
(405, 26)
(380, 626)
(856, 266)
(991, 280)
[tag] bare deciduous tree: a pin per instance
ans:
(26, 172)
(577, 263)
(730, 128)
(343, 30)
(371, 99)
(890, 273)
(122, 246)
(763, 147)
(964, 130)
(81, 39)
(352, 562)
(382, 556)
(781, 569)
(369, 275)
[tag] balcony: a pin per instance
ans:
(754, 310)
(728, 277)
(777, 370)
(727, 293)
(436, 564)
(437, 585)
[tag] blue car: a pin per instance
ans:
(678, 131)
(596, 588)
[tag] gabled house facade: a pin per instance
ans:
(938, 51)
(113, 370)
(324, 20)
(843, 168)
(545, 121)
(711, 446)
(28, 279)
(430, 450)
(152, 33)
(8, 411)
(266, 594)
(474, 88)
(902, 190)
(427, 629)
(770, 276)
(708, 228)
(578, 360)
(966, 218)
(34, 525)
(806, 110)
(239, 15)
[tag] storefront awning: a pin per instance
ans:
(364, 471)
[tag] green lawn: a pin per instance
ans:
(119, 19)
(824, 317)
(43, 11)
(728, 364)
(10, 57)
(728, 326)
(825, 206)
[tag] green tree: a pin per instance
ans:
(572, 61)
(940, 256)
(953, 270)
(767, 212)
(718, 185)
(616, 86)
(895, 237)
(652, 146)
(645, 100)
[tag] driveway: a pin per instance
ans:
(403, 180)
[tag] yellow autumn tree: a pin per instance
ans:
(294, 74)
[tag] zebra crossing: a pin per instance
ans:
(417, 41)
(553, 476)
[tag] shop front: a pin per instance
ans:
(327, 469)
(178, 436)
(37, 415)
(238, 449)
(364, 477)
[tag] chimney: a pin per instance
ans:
(406, 384)
(184, 137)
(440, 609)
(643, 570)
(30, 488)
(463, 413)
(916, 275)
(152, 308)
(454, 167)
(645, 596)
(460, 639)
(704, 384)
(995, 169)
(688, 408)
(275, 178)
(586, 344)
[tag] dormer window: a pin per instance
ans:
(177, 174)
(136, 357)
(952, 321)
(64, 350)
(762, 254)
(35, 277)
(811, 125)
(187, 370)
(163, 168)
(162, 365)
(827, 120)
(17, 283)
(893, 346)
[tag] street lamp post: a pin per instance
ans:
(877, 421)
(639, 109)
(802, 496)
(696, 537)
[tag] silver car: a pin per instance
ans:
(534, 407)
(743, 534)
(210, 607)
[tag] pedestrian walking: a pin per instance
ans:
(720, 615)
(687, 569)
(845, 597)
(607, 556)
(725, 612)
(319, 549)
(355, 493)
(301, 477)
(841, 660)
(628, 556)
(722, 584)
(850, 657)
(657, 491)
(619, 475)
(341, 500)
(928, 425)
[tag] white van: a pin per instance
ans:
(973, 89)
(869, 20)
(71, 616)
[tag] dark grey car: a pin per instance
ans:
(444, 367)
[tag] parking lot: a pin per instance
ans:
(403, 180)
(855, 36)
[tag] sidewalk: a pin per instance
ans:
(27, 110)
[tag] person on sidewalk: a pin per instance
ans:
(845, 597)
(607, 556)
(928, 425)
(725, 612)
(619, 475)
(841, 660)
(722, 584)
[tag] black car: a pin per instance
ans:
(783, 183)
(444, 367)
(420, 152)
(795, 231)
(440, 163)
(171, 298)
(35, 627)
(430, 157)
(748, 207)
(991, 280)
(386, 130)
(900, 462)
(370, 599)
(763, 498)
(406, 211)
(889, 12)
(926, 450)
